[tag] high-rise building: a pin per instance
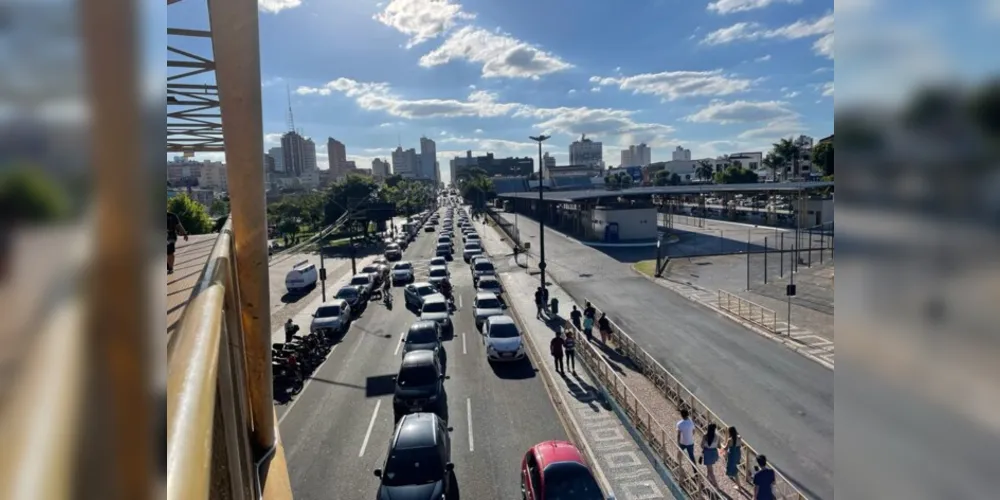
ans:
(268, 163)
(461, 167)
(636, 156)
(380, 168)
(428, 158)
(309, 163)
(279, 159)
(405, 162)
(681, 154)
(337, 153)
(586, 152)
(213, 176)
(293, 147)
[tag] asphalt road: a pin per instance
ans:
(337, 430)
(781, 402)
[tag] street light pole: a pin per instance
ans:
(541, 209)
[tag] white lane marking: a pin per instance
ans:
(459, 301)
(371, 424)
(464, 350)
(468, 411)
(305, 386)
(399, 344)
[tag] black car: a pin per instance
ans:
(355, 296)
(420, 386)
(418, 464)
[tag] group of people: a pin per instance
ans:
(585, 322)
(764, 476)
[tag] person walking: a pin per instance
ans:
(734, 455)
(574, 316)
(710, 452)
(569, 345)
(588, 327)
(589, 311)
(604, 326)
(763, 480)
(174, 228)
(538, 302)
(685, 434)
(556, 348)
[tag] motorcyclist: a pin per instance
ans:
(386, 290)
(446, 288)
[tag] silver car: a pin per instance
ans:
(414, 293)
(402, 272)
(486, 305)
(365, 281)
(490, 284)
(437, 274)
(332, 316)
(436, 309)
(423, 336)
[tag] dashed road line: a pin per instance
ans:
(468, 412)
(371, 425)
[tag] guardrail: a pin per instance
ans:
(701, 415)
(750, 311)
(209, 452)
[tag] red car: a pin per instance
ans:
(555, 470)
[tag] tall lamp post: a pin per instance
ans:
(541, 209)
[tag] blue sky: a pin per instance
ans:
(715, 76)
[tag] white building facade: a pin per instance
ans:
(636, 156)
(279, 159)
(428, 159)
(586, 152)
(681, 154)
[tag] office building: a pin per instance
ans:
(380, 168)
(293, 147)
(279, 159)
(213, 176)
(337, 153)
(182, 172)
(586, 152)
(636, 156)
(268, 163)
(428, 159)
(309, 156)
(405, 162)
(681, 154)
(461, 167)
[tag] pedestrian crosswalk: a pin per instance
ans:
(811, 343)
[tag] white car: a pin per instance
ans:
(502, 338)
(415, 293)
(302, 276)
(402, 272)
(438, 262)
(471, 249)
(482, 267)
(486, 305)
(437, 274)
(436, 308)
(489, 284)
(332, 316)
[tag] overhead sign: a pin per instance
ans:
(635, 173)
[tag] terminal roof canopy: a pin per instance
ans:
(593, 194)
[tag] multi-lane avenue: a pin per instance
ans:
(337, 430)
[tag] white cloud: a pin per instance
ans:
(384, 125)
(799, 29)
(600, 123)
(479, 131)
(378, 96)
(492, 145)
(765, 57)
(272, 139)
(741, 112)
(571, 91)
(421, 20)
(774, 130)
(500, 54)
(792, 94)
(595, 89)
(443, 133)
(732, 6)
(827, 89)
(672, 85)
(276, 6)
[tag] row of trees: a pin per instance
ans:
(476, 188)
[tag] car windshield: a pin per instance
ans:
(421, 336)
(489, 284)
(570, 480)
(370, 269)
(412, 466)
(393, 246)
(438, 273)
(472, 245)
(435, 307)
(439, 262)
(490, 303)
(360, 280)
(347, 293)
(328, 312)
(417, 376)
(426, 290)
(403, 265)
(503, 331)
(484, 266)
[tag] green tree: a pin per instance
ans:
(478, 191)
(31, 196)
(219, 207)
(338, 198)
(822, 157)
(393, 180)
(736, 175)
(789, 152)
(704, 170)
(192, 214)
(773, 162)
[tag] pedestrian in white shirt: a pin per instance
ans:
(685, 434)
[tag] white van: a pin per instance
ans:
(301, 277)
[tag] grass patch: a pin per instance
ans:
(647, 267)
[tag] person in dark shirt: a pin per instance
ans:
(574, 316)
(763, 480)
(604, 326)
(538, 302)
(569, 345)
(556, 348)
(589, 311)
(174, 227)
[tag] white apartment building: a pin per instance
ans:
(681, 154)
(428, 159)
(181, 171)
(309, 156)
(380, 168)
(405, 162)
(279, 159)
(636, 156)
(586, 152)
(337, 153)
(213, 176)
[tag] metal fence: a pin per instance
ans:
(809, 264)
(706, 237)
(680, 397)
(752, 312)
(508, 228)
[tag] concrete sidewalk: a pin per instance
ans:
(609, 442)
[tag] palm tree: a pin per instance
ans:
(789, 152)
(704, 170)
(773, 162)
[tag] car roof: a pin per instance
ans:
(356, 288)
(437, 267)
(501, 320)
(423, 325)
(334, 302)
(418, 358)
(486, 295)
(488, 278)
(434, 297)
(421, 284)
(417, 430)
(550, 452)
(366, 275)
(401, 263)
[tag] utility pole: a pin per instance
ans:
(541, 209)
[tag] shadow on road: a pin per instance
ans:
(514, 370)
(380, 385)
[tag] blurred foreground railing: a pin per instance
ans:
(209, 445)
(659, 435)
(749, 311)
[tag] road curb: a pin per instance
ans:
(789, 343)
(559, 401)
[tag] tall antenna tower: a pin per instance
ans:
(290, 118)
